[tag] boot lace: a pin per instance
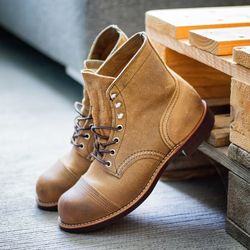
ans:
(100, 148)
(77, 127)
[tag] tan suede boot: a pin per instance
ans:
(144, 116)
(68, 169)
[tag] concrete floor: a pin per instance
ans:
(36, 122)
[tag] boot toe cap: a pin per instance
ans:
(53, 183)
(81, 205)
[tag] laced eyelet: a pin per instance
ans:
(113, 95)
(119, 127)
(81, 146)
(116, 139)
(118, 105)
(108, 164)
(120, 116)
(112, 152)
(87, 136)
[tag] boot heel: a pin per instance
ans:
(201, 134)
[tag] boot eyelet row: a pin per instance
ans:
(112, 152)
(87, 136)
(119, 127)
(116, 140)
(108, 164)
(118, 105)
(113, 95)
(120, 116)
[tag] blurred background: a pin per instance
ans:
(64, 30)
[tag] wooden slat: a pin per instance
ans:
(220, 41)
(238, 208)
(241, 55)
(208, 82)
(219, 105)
(222, 121)
(219, 137)
(223, 63)
(177, 22)
(195, 166)
(237, 233)
(238, 202)
(220, 155)
(240, 106)
(238, 154)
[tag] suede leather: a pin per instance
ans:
(159, 110)
(69, 168)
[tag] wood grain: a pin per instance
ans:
(207, 81)
(238, 202)
(219, 137)
(237, 233)
(221, 155)
(241, 55)
(240, 112)
(224, 64)
(220, 41)
(195, 166)
(177, 22)
(238, 154)
(222, 121)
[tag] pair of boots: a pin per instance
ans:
(136, 116)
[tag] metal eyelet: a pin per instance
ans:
(108, 164)
(113, 95)
(81, 146)
(112, 152)
(87, 136)
(116, 139)
(119, 127)
(120, 116)
(118, 105)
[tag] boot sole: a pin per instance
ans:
(50, 206)
(200, 133)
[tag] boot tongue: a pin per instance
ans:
(97, 86)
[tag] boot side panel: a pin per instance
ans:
(187, 109)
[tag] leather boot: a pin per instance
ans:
(144, 116)
(68, 169)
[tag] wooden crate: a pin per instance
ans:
(198, 44)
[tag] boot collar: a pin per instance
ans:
(106, 43)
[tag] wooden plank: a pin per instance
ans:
(240, 111)
(219, 137)
(241, 55)
(238, 154)
(238, 202)
(177, 22)
(207, 81)
(222, 63)
(220, 155)
(197, 165)
(237, 233)
(215, 102)
(220, 41)
(219, 105)
(222, 121)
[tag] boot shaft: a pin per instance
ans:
(140, 95)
